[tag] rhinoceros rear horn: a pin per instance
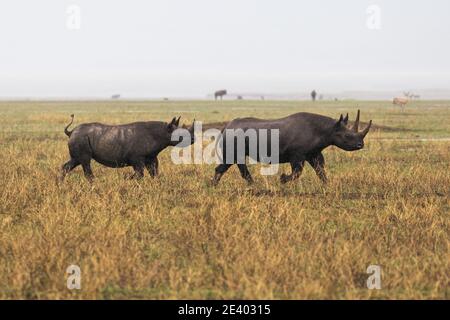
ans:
(356, 124)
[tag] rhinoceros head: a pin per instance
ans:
(181, 138)
(347, 138)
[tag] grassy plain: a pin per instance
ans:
(177, 237)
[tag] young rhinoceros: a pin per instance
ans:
(302, 137)
(135, 144)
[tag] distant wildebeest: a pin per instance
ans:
(313, 95)
(400, 102)
(220, 94)
(302, 137)
(135, 144)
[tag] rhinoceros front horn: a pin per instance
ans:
(366, 130)
(356, 124)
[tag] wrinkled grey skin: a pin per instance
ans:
(302, 137)
(135, 144)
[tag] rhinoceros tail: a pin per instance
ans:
(67, 132)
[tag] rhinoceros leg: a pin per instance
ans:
(318, 163)
(297, 167)
(138, 168)
(220, 170)
(152, 166)
(86, 164)
(245, 173)
(67, 167)
(81, 153)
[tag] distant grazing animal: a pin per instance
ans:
(135, 144)
(302, 137)
(400, 102)
(411, 95)
(313, 95)
(220, 94)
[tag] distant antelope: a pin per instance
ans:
(411, 95)
(220, 94)
(400, 102)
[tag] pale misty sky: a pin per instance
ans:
(182, 48)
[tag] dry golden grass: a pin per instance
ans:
(176, 237)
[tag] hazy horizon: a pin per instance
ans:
(177, 48)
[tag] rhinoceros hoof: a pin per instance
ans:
(284, 178)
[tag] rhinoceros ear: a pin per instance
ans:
(346, 119)
(339, 122)
(171, 124)
(177, 122)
